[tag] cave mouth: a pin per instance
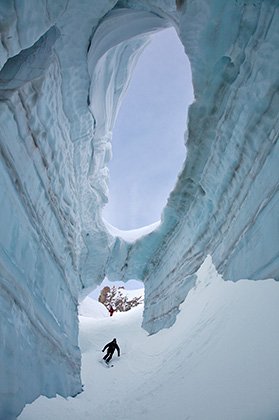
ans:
(131, 284)
(118, 296)
(148, 135)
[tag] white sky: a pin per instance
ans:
(148, 137)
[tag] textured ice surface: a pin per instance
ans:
(226, 198)
(43, 58)
(64, 66)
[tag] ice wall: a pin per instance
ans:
(54, 151)
(225, 202)
(46, 133)
(65, 66)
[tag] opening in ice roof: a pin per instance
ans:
(148, 136)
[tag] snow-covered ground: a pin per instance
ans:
(219, 361)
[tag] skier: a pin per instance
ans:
(111, 347)
(111, 311)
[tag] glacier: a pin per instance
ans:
(64, 68)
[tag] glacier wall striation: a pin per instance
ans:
(45, 136)
(225, 202)
(64, 68)
(226, 199)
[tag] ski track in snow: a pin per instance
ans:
(218, 362)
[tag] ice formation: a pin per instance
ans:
(65, 66)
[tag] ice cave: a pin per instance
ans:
(64, 68)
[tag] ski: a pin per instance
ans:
(106, 364)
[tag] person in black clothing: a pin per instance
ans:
(111, 347)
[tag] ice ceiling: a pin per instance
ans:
(64, 68)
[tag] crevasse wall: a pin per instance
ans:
(46, 133)
(225, 202)
(64, 68)
(53, 244)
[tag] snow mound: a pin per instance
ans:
(92, 309)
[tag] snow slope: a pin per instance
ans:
(219, 361)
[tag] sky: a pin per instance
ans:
(148, 136)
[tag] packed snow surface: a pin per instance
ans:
(218, 361)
